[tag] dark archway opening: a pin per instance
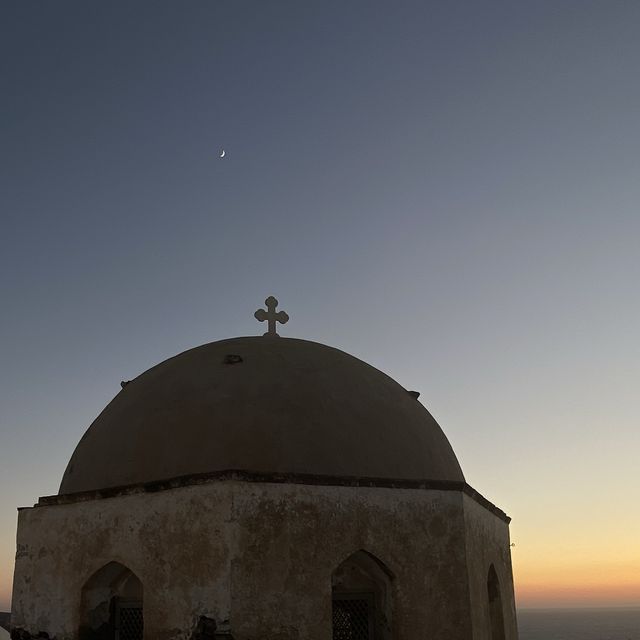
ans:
(496, 616)
(361, 599)
(112, 605)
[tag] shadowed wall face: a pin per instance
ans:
(494, 598)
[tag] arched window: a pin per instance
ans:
(111, 605)
(496, 617)
(361, 594)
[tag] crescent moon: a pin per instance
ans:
(223, 153)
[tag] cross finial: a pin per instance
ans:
(271, 316)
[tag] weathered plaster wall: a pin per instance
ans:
(487, 543)
(258, 557)
(307, 531)
(179, 543)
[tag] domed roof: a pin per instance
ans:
(261, 404)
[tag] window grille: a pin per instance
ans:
(352, 617)
(129, 621)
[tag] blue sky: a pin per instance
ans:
(447, 190)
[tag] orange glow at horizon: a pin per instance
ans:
(571, 595)
(575, 548)
(5, 593)
(562, 582)
(572, 589)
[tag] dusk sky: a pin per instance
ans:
(449, 191)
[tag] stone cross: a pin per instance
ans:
(271, 316)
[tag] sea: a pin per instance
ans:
(622, 623)
(567, 624)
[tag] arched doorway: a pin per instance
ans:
(496, 617)
(361, 599)
(111, 605)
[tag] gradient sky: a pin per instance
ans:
(446, 190)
